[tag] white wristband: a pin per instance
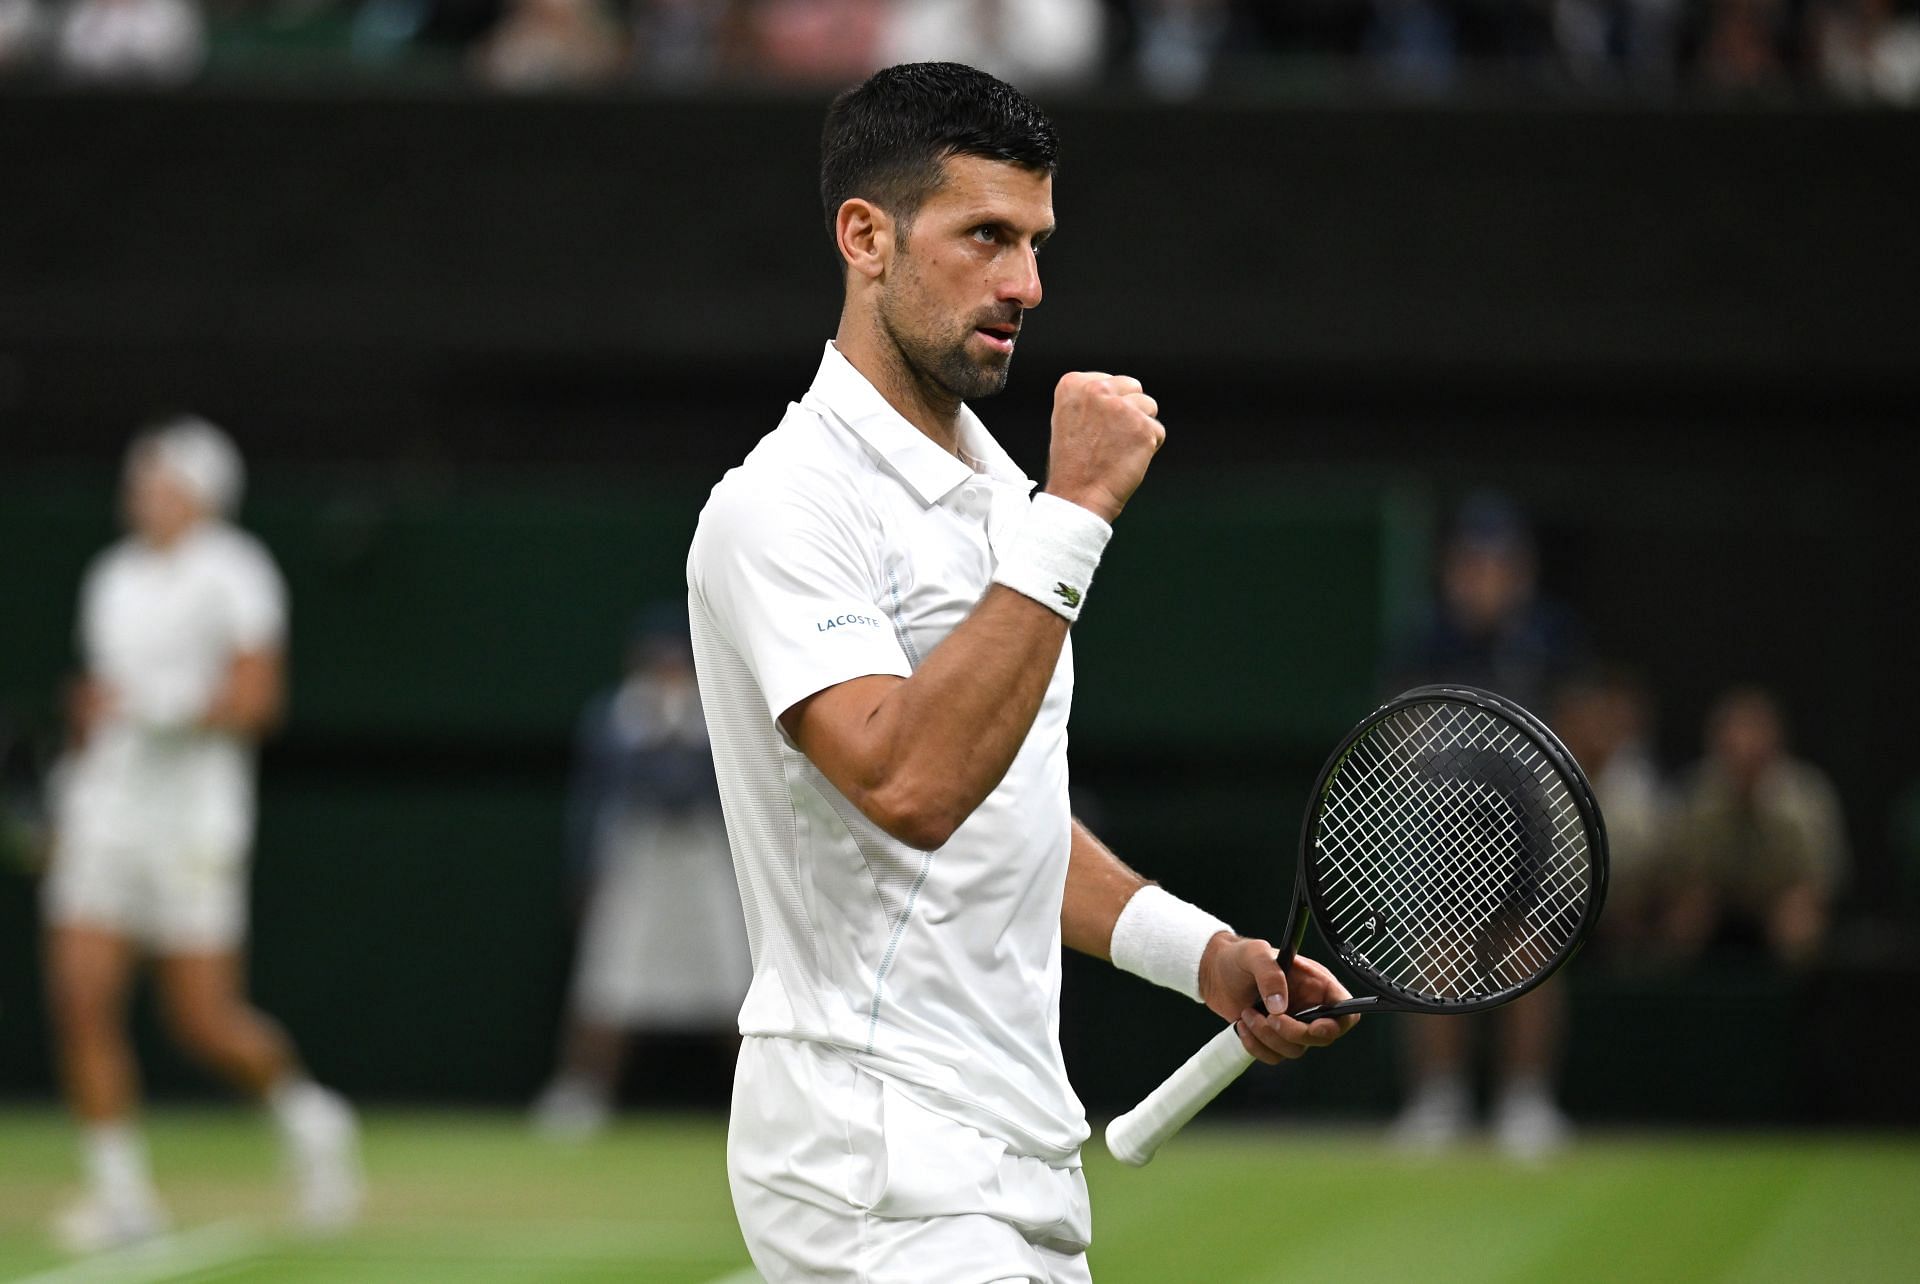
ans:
(1053, 555)
(1161, 937)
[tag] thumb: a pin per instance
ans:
(1270, 979)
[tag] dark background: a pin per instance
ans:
(485, 358)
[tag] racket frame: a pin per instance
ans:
(1306, 885)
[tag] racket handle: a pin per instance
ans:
(1134, 1136)
(1345, 1007)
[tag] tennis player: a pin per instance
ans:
(182, 631)
(880, 614)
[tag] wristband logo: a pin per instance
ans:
(1068, 594)
(842, 621)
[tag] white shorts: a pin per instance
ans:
(172, 898)
(838, 1176)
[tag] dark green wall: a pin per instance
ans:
(486, 355)
(408, 889)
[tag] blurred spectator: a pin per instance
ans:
(1413, 45)
(1490, 628)
(817, 42)
(687, 43)
(550, 44)
(159, 42)
(1178, 43)
(1865, 51)
(663, 945)
(1605, 720)
(1612, 41)
(1758, 850)
(1035, 44)
(1741, 47)
(24, 28)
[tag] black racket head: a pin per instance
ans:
(1452, 855)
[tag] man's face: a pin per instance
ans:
(965, 273)
(1485, 585)
(157, 506)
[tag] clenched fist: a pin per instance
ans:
(1105, 433)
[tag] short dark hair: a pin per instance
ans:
(886, 139)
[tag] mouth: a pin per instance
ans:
(998, 337)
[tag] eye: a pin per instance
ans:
(986, 233)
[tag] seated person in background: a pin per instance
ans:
(1758, 849)
(1604, 719)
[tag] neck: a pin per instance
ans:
(927, 406)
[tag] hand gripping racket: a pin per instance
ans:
(1453, 856)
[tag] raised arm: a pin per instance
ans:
(916, 755)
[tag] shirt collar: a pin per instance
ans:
(930, 472)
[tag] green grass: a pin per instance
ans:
(461, 1197)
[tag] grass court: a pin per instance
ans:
(477, 1198)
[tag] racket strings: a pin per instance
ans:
(1453, 859)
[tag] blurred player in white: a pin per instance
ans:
(182, 633)
(880, 616)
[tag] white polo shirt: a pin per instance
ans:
(161, 627)
(848, 544)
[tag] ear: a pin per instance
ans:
(864, 233)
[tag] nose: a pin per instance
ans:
(1022, 283)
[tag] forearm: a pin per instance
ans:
(1111, 912)
(1099, 885)
(251, 699)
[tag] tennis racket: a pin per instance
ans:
(1453, 856)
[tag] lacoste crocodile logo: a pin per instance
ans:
(1068, 594)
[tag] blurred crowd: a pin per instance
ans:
(1856, 50)
(1737, 859)
(1742, 851)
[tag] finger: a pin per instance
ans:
(1269, 978)
(1313, 978)
(1258, 1036)
(1124, 385)
(1317, 1033)
(1255, 1049)
(1159, 434)
(1146, 404)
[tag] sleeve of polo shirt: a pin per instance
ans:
(255, 600)
(794, 587)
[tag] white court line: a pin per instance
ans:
(156, 1260)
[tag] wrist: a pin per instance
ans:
(1162, 938)
(1099, 503)
(1052, 557)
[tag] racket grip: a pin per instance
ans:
(1134, 1136)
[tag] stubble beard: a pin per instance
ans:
(943, 361)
